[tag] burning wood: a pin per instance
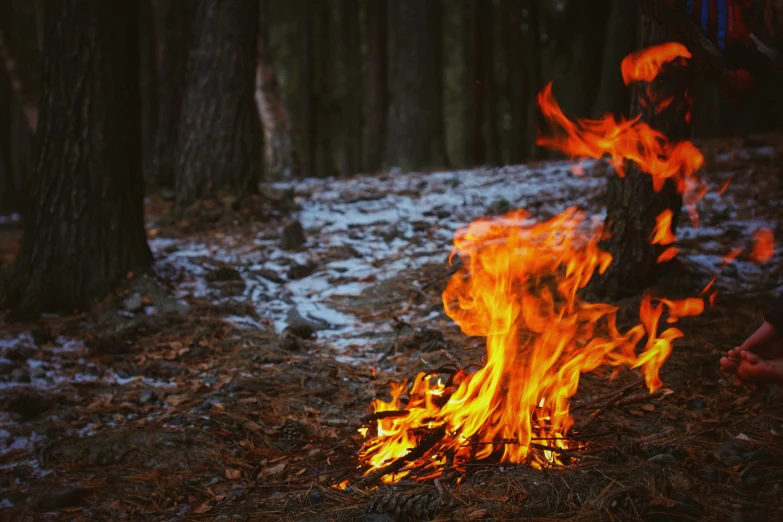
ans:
(519, 288)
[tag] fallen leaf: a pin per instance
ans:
(744, 437)
(203, 508)
(648, 407)
(233, 474)
(636, 413)
(274, 470)
(479, 513)
(176, 400)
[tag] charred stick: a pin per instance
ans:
(426, 444)
(564, 452)
(379, 415)
(617, 401)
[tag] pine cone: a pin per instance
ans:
(407, 507)
(291, 431)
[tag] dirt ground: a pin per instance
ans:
(167, 404)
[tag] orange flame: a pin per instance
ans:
(519, 289)
(630, 140)
(763, 246)
(644, 65)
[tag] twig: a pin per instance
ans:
(450, 272)
(614, 403)
(609, 395)
(564, 452)
(424, 446)
(390, 414)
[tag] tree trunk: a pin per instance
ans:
(376, 101)
(219, 146)
(306, 90)
(324, 129)
(491, 125)
(632, 204)
(85, 228)
(149, 86)
(176, 17)
(535, 121)
(351, 157)
(613, 96)
(415, 136)
(280, 156)
(475, 26)
(516, 86)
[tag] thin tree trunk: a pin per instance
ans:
(219, 147)
(613, 96)
(491, 125)
(516, 86)
(322, 101)
(149, 86)
(279, 153)
(475, 12)
(632, 204)
(85, 228)
(415, 137)
(535, 121)
(176, 17)
(306, 90)
(376, 101)
(351, 161)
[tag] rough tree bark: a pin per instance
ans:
(325, 128)
(85, 227)
(306, 90)
(351, 153)
(516, 85)
(219, 145)
(149, 85)
(415, 137)
(176, 17)
(534, 77)
(632, 204)
(613, 96)
(279, 155)
(376, 102)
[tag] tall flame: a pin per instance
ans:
(519, 288)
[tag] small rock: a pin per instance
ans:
(184, 511)
(734, 460)
(293, 236)
(758, 454)
(270, 275)
(315, 497)
(692, 505)
(38, 372)
(215, 480)
(498, 207)
(225, 273)
(298, 271)
(60, 498)
(42, 336)
(122, 374)
(727, 449)
(206, 405)
(20, 375)
(663, 459)
(148, 396)
(292, 342)
(711, 474)
(697, 403)
(133, 303)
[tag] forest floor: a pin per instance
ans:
(229, 383)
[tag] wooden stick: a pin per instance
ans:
(426, 444)
(564, 452)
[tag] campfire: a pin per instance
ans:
(519, 287)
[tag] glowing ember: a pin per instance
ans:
(763, 246)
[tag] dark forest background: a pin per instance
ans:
(336, 80)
